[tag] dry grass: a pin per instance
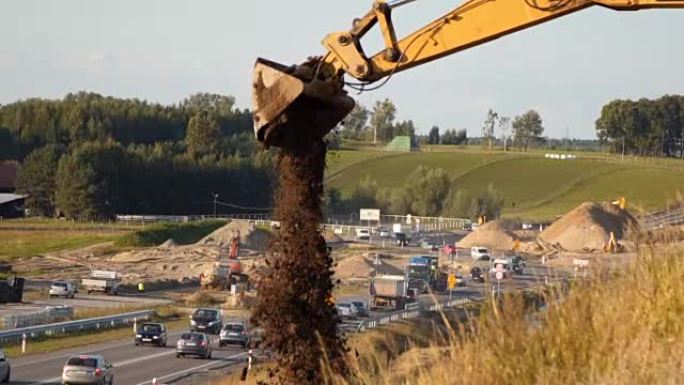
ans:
(622, 327)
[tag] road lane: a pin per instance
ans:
(132, 364)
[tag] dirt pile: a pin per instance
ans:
(588, 227)
(250, 236)
(498, 235)
(293, 303)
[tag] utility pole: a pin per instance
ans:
(215, 197)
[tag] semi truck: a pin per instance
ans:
(390, 292)
(423, 274)
(102, 281)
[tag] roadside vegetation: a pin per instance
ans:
(181, 233)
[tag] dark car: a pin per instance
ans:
(477, 275)
(151, 333)
(361, 309)
(194, 344)
(206, 320)
(234, 333)
(401, 239)
(518, 264)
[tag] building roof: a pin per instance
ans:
(6, 198)
(8, 175)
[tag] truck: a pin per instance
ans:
(423, 274)
(102, 281)
(390, 292)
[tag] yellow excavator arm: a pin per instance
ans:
(309, 98)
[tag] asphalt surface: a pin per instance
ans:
(133, 365)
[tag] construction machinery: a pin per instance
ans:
(295, 103)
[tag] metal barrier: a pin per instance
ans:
(49, 314)
(412, 311)
(55, 329)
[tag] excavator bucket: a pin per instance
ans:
(290, 104)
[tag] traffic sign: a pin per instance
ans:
(581, 262)
(499, 275)
(451, 281)
(369, 214)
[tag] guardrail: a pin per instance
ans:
(61, 328)
(49, 314)
(412, 311)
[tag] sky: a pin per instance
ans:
(166, 50)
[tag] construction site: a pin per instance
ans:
(434, 276)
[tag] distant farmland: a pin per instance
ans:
(534, 187)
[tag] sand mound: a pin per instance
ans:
(169, 243)
(588, 227)
(494, 235)
(250, 236)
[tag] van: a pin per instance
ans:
(479, 253)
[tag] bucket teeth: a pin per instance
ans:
(291, 105)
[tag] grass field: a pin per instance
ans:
(23, 243)
(540, 188)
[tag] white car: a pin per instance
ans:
(362, 234)
(479, 253)
(5, 368)
(347, 310)
(62, 289)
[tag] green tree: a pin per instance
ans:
(405, 128)
(76, 193)
(382, 120)
(489, 125)
(355, 125)
(427, 189)
(433, 136)
(527, 128)
(202, 136)
(504, 128)
(37, 179)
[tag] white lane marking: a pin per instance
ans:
(116, 364)
(192, 369)
(107, 347)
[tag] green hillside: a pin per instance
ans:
(534, 187)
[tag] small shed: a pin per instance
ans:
(11, 205)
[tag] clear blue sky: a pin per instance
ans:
(164, 50)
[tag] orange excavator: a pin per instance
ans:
(309, 99)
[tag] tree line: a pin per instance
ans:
(644, 127)
(87, 156)
(426, 192)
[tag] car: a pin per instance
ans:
(87, 370)
(361, 308)
(234, 333)
(479, 253)
(477, 275)
(5, 368)
(151, 333)
(362, 234)
(460, 280)
(206, 320)
(401, 239)
(194, 344)
(429, 244)
(62, 289)
(346, 310)
(382, 232)
(518, 263)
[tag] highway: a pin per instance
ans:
(133, 365)
(139, 365)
